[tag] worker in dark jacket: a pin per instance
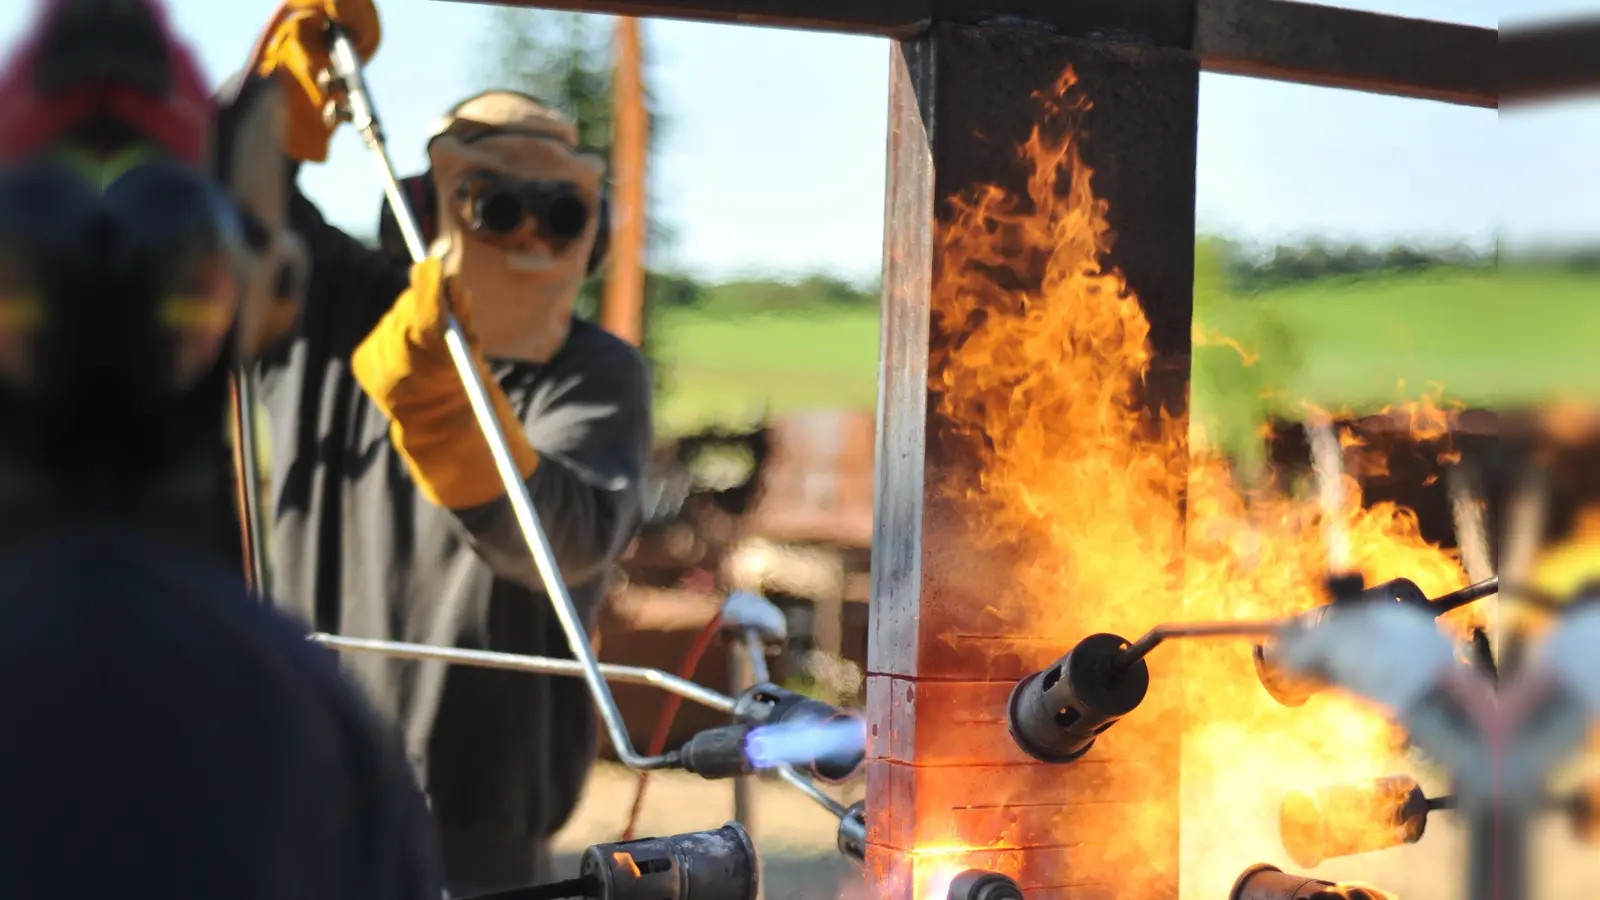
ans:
(390, 519)
(165, 734)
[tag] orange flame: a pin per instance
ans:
(1119, 526)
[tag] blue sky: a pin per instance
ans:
(793, 180)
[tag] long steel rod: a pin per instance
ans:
(348, 65)
(807, 787)
(539, 665)
(544, 665)
(1461, 597)
(1153, 638)
(248, 471)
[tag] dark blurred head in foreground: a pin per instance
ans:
(165, 734)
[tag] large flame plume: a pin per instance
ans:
(1119, 522)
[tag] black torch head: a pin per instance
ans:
(1351, 818)
(976, 884)
(1282, 685)
(1293, 690)
(717, 753)
(702, 865)
(1055, 715)
(853, 832)
(789, 728)
(1264, 882)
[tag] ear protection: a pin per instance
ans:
(424, 201)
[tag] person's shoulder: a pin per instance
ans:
(588, 342)
(598, 355)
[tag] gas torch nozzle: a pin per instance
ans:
(1055, 715)
(1264, 882)
(976, 884)
(1290, 689)
(1354, 817)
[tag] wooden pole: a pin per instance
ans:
(622, 308)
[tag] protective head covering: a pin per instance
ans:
(124, 264)
(519, 216)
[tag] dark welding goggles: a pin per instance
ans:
(497, 206)
(133, 267)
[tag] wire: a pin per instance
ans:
(585, 886)
(669, 712)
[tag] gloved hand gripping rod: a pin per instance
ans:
(346, 69)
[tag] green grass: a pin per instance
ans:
(732, 370)
(1475, 339)
(1510, 338)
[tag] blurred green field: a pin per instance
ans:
(731, 369)
(1476, 338)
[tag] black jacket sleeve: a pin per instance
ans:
(351, 286)
(589, 418)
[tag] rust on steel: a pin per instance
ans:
(942, 771)
(1299, 42)
(1550, 60)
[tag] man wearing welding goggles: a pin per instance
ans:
(164, 731)
(391, 521)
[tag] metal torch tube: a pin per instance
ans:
(805, 786)
(544, 665)
(540, 665)
(348, 64)
(757, 651)
(244, 434)
(1158, 635)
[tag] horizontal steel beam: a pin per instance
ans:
(1342, 48)
(1550, 61)
(1286, 41)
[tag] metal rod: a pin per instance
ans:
(1448, 801)
(247, 469)
(348, 65)
(740, 677)
(540, 665)
(544, 665)
(1327, 463)
(787, 773)
(757, 651)
(1459, 598)
(1153, 638)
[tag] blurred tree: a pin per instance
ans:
(565, 59)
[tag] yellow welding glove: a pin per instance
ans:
(406, 368)
(295, 48)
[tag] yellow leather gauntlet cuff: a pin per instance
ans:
(405, 368)
(296, 49)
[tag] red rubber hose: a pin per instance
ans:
(669, 711)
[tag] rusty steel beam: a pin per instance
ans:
(1288, 41)
(1550, 61)
(1342, 48)
(943, 772)
(1161, 22)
